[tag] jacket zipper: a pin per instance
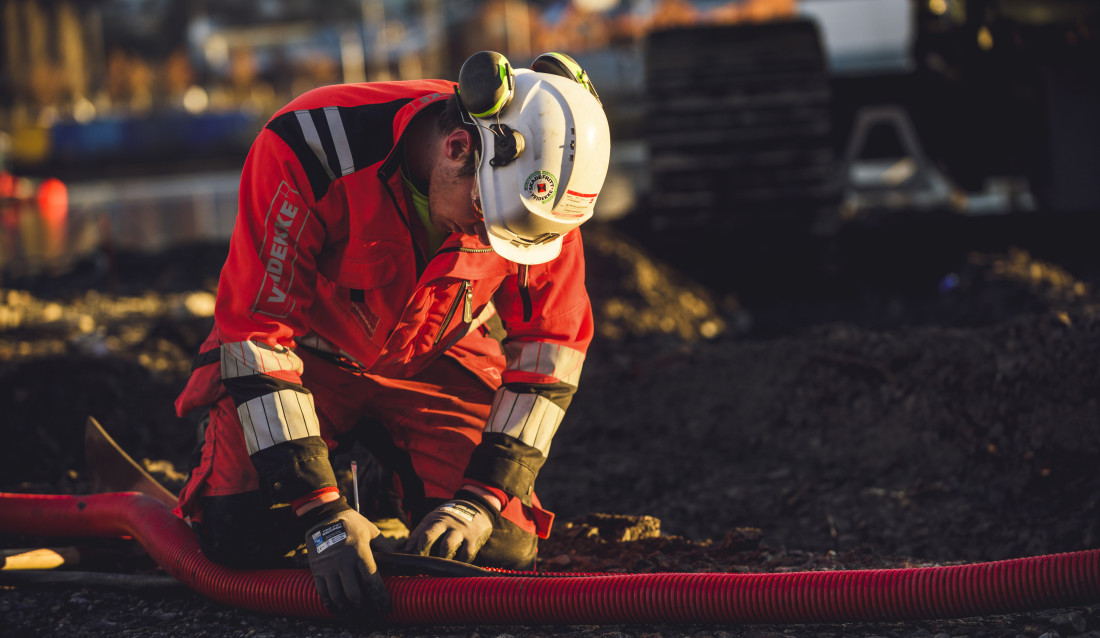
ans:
(462, 249)
(466, 298)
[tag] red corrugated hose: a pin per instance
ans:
(958, 591)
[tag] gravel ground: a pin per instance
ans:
(907, 393)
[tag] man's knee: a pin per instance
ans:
(508, 547)
(238, 530)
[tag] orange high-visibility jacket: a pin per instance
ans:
(328, 253)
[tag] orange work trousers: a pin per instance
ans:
(424, 429)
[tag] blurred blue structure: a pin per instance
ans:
(162, 134)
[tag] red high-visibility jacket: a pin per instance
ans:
(328, 253)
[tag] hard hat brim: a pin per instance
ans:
(527, 255)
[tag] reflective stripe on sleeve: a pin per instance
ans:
(245, 358)
(277, 417)
(529, 417)
(559, 362)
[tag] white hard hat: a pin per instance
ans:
(545, 149)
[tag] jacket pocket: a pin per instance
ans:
(436, 317)
(362, 288)
(464, 303)
(372, 269)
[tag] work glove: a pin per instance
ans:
(345, 574)
(456, 529)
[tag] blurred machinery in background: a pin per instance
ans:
(796, 113)
(1010, 90)
(739, 126)
(853, 107)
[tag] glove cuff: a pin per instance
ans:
(505, 461)
(481, 503)
(292, 469)
(322, 513)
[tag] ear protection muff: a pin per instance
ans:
(565, 66)
(486, 84)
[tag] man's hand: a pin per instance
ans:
(340, 558)
(456, 529)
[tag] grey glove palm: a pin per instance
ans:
(456, 529)
(340, 558)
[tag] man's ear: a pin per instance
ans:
(458, 145)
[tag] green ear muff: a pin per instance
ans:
(486, 83)
(565, 66)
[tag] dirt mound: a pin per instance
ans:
(830, 420)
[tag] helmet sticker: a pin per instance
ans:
(575, 205)
(540, 185)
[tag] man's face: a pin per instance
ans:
(454, 202)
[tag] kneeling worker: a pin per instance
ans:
(406, 272)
